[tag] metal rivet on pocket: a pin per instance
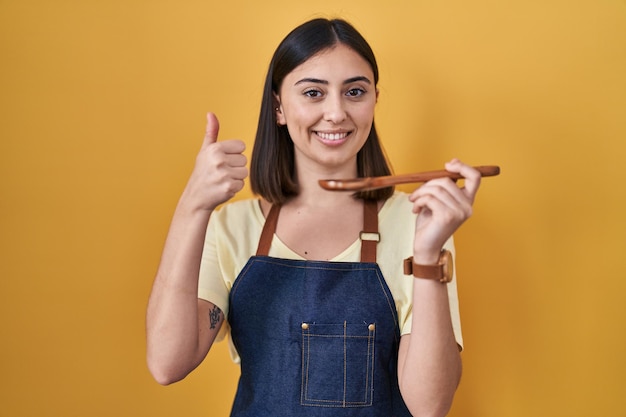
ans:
(371, 327)
(305, 326)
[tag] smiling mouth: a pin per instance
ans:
(332, 136)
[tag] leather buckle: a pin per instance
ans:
(370, 236)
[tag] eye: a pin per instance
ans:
(313, 93)
(355, 92)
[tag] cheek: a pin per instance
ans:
(301, 118)
(365, 115)
(364, 109)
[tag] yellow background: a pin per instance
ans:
(102, 107)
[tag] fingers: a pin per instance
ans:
(232, 146)
(472, 176)
(228, 156)
(445, 204)
(444, 196)
(237, 170)
(220, 168)
(211, 133)
(212, 129)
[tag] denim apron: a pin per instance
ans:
(315, 338)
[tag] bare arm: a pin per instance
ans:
(180, 328)
(429, 363)
(429, 360)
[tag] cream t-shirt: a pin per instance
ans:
(233, 235)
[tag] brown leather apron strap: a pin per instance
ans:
(369, 236)
(268, 231)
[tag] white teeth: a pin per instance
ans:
(332, 136)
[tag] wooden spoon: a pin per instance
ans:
(372, 183)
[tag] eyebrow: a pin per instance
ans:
(348, 81)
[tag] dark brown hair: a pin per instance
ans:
(272, 168)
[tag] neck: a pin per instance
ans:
(313, 195)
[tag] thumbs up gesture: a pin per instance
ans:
(220, 169)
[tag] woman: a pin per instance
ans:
(310, 283)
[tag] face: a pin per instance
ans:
(327, 104)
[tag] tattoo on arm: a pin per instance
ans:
(215, 315)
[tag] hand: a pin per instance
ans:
(442, 206)
(220, 169)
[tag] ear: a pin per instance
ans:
(278, 109)
(377, 91)
(280, 117)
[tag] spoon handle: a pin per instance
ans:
(372, 183)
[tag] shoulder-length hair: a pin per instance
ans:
(272, 167)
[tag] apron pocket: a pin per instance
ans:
(337, 364)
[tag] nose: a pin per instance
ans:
(334, 110)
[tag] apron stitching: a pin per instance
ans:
(389, 303)
(307, 337)
(305, 367)
(344, 364)
(370, 349)
(242, 274)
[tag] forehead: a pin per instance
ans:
(338, 62)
